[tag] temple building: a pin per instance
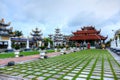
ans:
(87, 34)
(58, 38)
(36, 37)
(5, 34)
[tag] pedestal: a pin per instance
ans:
(55, 49)
(62, 51)
(42, 54)
(16, 53)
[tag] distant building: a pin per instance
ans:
(5, 34)
(36, 37)
(58, 37)
(117, 38)
(87, 34)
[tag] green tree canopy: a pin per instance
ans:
(18, 33)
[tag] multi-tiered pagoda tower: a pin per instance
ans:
(87, 34)
(5, 34)
(37, 39)
(58, 37)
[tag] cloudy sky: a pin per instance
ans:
(68, 15)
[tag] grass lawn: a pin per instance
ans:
(26, 53)
(11, 54)
(50, 51)
(84, 65)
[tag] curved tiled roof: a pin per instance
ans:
(87, 33)
(88, 37)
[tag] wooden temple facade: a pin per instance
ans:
(87, 34)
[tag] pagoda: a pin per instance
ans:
(37, 39)
(5, 34)
(58, 37)
(87, 34)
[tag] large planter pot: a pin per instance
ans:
(62, 51)
(16, 53)
(78, 49)
(71, 49)
(55, 49)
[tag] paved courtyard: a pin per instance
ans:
(82, 65)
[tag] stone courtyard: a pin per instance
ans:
(83, 65)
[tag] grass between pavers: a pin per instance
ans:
(102, 67)
(111, 66)
(92, 69)
(55, 65)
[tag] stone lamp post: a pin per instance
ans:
(27, 45)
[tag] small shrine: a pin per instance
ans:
(5, 34)
(87, 34)
(37, 39)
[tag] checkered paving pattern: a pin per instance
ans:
(83, 65)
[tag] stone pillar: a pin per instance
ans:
(114, 43)
(48, 44)
(27, 45)
(40, 43)
(9, 44)
(118, 42)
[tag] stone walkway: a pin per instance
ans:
(116, 57)
(25, 58)
(83, 65)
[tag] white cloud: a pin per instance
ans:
(69, 15)
(110, 29)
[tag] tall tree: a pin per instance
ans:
(47, 40)
(18, 33)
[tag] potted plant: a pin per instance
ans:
(55, 49)
(17, 51)
(42, 52)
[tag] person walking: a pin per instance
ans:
(88, 45)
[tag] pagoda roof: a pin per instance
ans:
(5, 29)
(36, 30)
(36, 35)
(21, 39)
(2, 23)
(88, 28)
(86, 32)
(88, 37)
(4, 34)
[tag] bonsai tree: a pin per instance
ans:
(42, 47)
(17, 47)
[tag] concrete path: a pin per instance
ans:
(25, 58)
(116, 57)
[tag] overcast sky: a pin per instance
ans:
(68, 15)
